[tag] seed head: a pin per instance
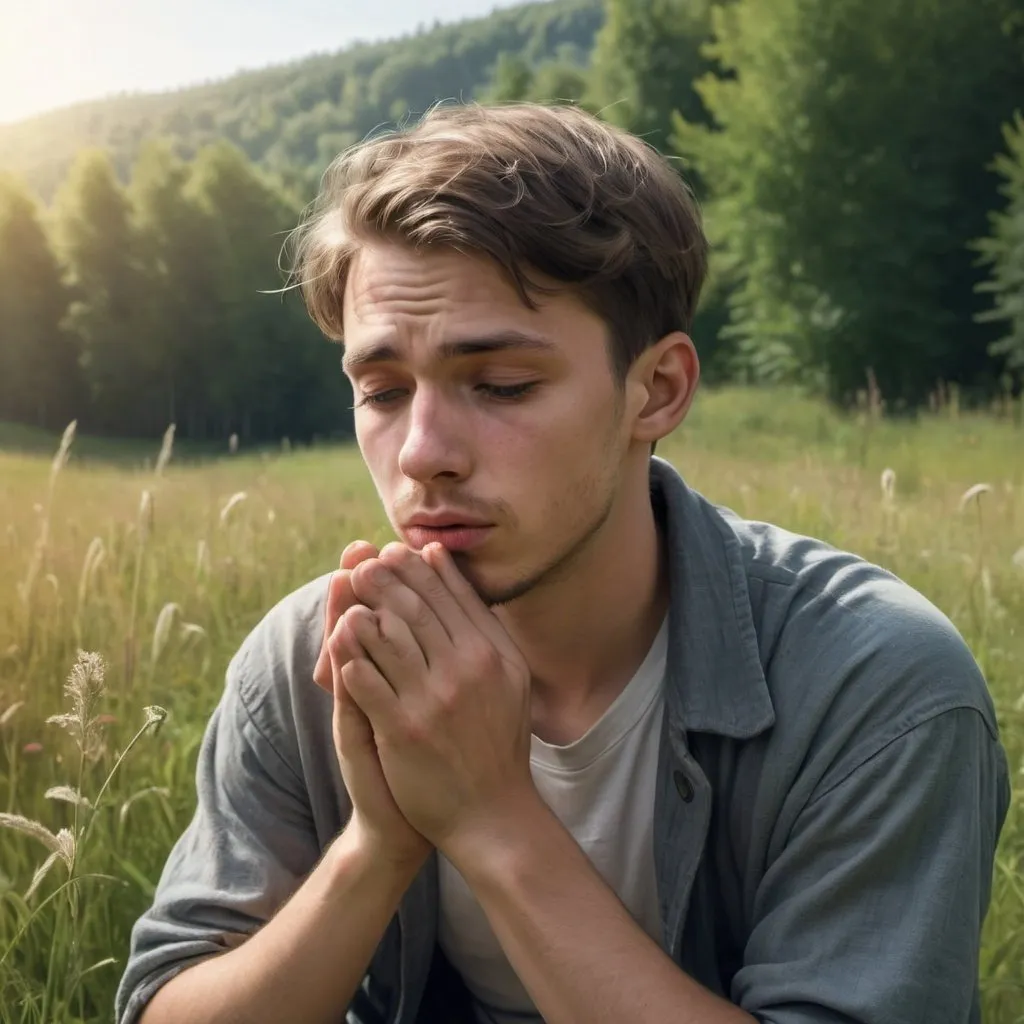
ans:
(973, 494)
(85, 688)
(235, 499)
(162, 630)
(889, 484)
(63, 450)
(166, 448)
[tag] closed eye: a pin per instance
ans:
(498, 392)
(380, 397)
(507, 391)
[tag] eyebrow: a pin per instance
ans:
(503, 341)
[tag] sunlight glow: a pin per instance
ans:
(57, 52)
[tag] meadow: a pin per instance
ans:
(158, 565)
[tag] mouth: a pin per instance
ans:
(454, 534)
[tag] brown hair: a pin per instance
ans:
(552, 189)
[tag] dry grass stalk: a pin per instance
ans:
(202, 559)
(233, 502)
(162, 631)
(94, 556)
(166, 448)
(889, 484)
(974, 494)
(10, 712)
(26, 588)
(135, 797)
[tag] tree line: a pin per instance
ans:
(130, 307)
(293, 119)
(861, 168)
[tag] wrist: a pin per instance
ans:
(356, 852)
(503, 846)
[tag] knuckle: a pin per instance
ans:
(482, 657)
(335, 643)
(347, 623)
(419, 612)
(434, 587)
(359, 577)
(447, 697)
(356, 673)
(387, 630)
(340, 583)
(412, 731)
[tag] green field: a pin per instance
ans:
(165, 587)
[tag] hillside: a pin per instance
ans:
(293, 118)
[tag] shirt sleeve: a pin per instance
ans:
(872, 912)
(249, 845)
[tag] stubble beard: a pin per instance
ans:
(563, 563)
(557, 568)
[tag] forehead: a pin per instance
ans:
(396, 293)
(392, 282)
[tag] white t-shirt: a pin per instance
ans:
(601, 787)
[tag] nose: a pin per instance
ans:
(436, 443)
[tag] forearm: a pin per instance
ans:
(573, 944)
(304, 964)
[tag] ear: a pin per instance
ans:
(661, 384)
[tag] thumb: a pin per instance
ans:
(339, 599)
(353, 733)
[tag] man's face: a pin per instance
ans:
(493, 428)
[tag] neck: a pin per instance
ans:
(585, 634)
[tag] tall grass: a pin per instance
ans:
(158, 570)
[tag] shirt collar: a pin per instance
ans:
(714, 679)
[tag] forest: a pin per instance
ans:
(860, 167)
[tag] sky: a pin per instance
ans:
(56, 52)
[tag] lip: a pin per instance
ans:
(442, 520)
(456, 532)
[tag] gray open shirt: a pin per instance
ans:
(830, 793)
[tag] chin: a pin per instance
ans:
(492, 587)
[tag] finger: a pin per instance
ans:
(339, 599)
(377, 587)
(346, 651)
(483, 619)
(389, 644)
(422, 579)
(343, 645)
(371, 693)
(356, 552)
(353, 733)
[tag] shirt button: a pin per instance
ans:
(684, 785)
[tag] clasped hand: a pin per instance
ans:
(432, 694)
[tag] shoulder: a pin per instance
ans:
(854, 657)
(272, 670)
(290, 633)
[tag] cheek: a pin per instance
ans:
(556, 460)
(379, 451)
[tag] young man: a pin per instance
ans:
(586, 748)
